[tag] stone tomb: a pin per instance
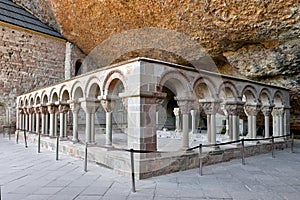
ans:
(143, 86)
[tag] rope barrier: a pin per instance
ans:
(132, 151)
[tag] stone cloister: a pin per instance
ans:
(143, 83)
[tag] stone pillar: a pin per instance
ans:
(266, 110)
(234, 109)
(281, 121)
(52, 109)
(26, 119)
(193, 114)
(210, 108)
(21, 116)
(44, 112)
(251, 111)
(37, 119)
(176, 112)
(90, 106)
(108, 105)
(276, 123)
(62, 109)
(75, 107)
(185, 106)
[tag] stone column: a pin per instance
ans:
(281, 122)
(75, 107)
(62, 109)
(210, 108)
(234, 109)
(193, 114)
(185, 106)
(26, 119)
(274, 116)
(108, 105)
(266, 110)
(44, 112)
(251, 111)
(90, 106)
(176, 112)
(52, 109)
(21, 120)
(37, 119)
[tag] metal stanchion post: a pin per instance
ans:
(17, 139)
(57, 147)
(9, 132)
(243, 151)
(292, 145)
(273, 156)
(85, 156)
(0, 192)
(25, 140)
(200, 160)
(39, 142)
(132, 170)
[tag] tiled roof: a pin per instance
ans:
(14, 14)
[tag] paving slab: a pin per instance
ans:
(25, 174)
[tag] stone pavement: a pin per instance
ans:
(24, 174)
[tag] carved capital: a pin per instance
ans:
(108, 105)
(176, 111)
(185, 106)
(233, 108)
(251, 109)
(210, 108)
(75, 107)
(44, 110)
(21, 111)
(266, 110)
(52, 109)
(278, 111)
(63, 108)
(37, 110)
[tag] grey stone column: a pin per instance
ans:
(234, 109)
(62, 109)
(185, 106)
(210, 108)
(107, 103)
(266, 110)
(176, 112)
(75, 107)
(281, 121)
(21, 118)
(193, 114)
(52, 109)
(44, 112)
(251, 111)
(37, 119)
(89, 106)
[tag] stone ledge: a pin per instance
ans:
(156, 165)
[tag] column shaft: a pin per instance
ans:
(254, 126)
(108, 128)
(208, 129)
(213, 129)
(37, 124)
(185, 131)
(267, 126)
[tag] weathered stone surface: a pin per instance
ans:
(259, 61)
(217, 25)
(27, 61)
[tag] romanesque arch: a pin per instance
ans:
(92, 88)
(177, 82)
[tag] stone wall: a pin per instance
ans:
(27, 61)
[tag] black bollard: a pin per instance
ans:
(132, 170)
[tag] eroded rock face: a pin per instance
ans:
(219, 26)
(259, 61)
